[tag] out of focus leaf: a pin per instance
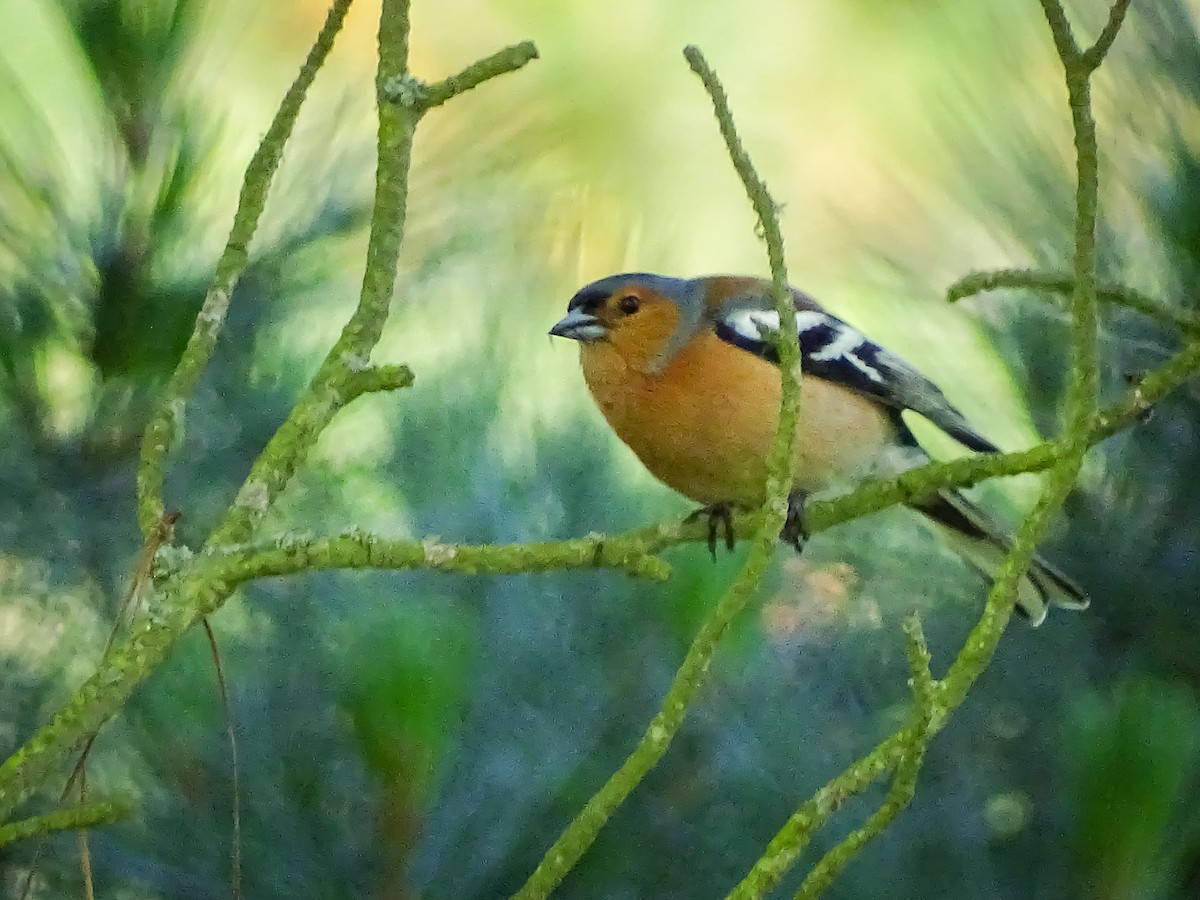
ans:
(1135, 769)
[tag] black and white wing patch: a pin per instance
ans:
(832, 350)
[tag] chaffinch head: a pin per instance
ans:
(686, 373)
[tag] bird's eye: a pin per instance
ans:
(629, 304)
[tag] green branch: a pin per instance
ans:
(904, 784)
(160, 432)
(1094, 55)
(1082, 391)
(793, 838)
(1065, 459)
(135, 656)
(127, 665)
(420, 97)
(359, 550)
(345, 374)
(1064, 283)
(72, 818)
(374, 379)
(786, 339)
(583, 829)
(327, 391)
(323, 397)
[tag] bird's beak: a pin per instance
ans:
(579, 326)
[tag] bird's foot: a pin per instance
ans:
(720, 516)
(794, 530)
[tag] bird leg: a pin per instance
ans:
(794, 531)
(720, 516)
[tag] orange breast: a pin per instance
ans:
(704, 424)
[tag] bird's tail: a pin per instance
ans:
(984, 544)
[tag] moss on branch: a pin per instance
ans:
(1063, 283)
(1064, 459)
(360, 550)
(199, 584)
(420, 97)
(925, 716)
(160, 433)
(191, 593)
(583, 829)
(73, 818)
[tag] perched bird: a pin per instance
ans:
(686, 373)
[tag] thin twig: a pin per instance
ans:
(904, 751)
(160, 433)
(161, 534)
(904, 783)
(85, 852)
(583, 829)
(1083, 421)
(1064, 283)
(402, 101)
(1094, 55)
(235, 854)
(423, 97)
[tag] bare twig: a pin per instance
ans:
(85, 852)
(235, 853)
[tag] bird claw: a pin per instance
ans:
(794, 531)
(719, 515)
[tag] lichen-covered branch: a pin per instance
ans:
(136, 655)
(160, 433)
(904, 783)
(323, 397)
(1141, 398)
(793, 838)
(421, 97)
(73, 818)
(328, 390)
(345, 374)
(1065, 458)
(582, 831)
(1094, 55)
(1082, 394)
(902, 751)
(1083, 388)
(360, 550)
(1064, 283)
(787, 346)
(374, 379)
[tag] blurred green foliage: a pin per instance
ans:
(1135, 760)
(406, 733)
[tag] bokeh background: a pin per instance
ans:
(405, 734)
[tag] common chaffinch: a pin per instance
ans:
(686, 373)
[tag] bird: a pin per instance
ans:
(686, 372)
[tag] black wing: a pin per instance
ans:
(832, 350)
